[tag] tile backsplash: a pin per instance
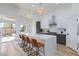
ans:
(61, 31)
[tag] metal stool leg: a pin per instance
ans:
(44, 50)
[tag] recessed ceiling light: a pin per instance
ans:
(57, 3)
(33, 5)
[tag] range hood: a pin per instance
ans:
(53, 23)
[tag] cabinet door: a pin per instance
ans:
(45, 23)
(72, 31)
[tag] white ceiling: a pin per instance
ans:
(26, 8)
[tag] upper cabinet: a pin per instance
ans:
(45, 22)
(48, 21)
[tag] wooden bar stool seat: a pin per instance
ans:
(40, 45)
(37, 45)
(20, 36)
(23, 41)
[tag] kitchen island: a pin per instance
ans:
(48, 40)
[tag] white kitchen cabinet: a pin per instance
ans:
(44, 24)
(72, 39)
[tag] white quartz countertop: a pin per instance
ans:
(41, 36)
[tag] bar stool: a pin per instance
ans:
(20, 40)
(25, 44)
(29, 48)
(20, 36)
(37, 45)
(23, 41)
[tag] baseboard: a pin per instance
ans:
(72, 50)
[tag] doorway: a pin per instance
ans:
(7, 32)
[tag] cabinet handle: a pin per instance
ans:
(67, 33)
